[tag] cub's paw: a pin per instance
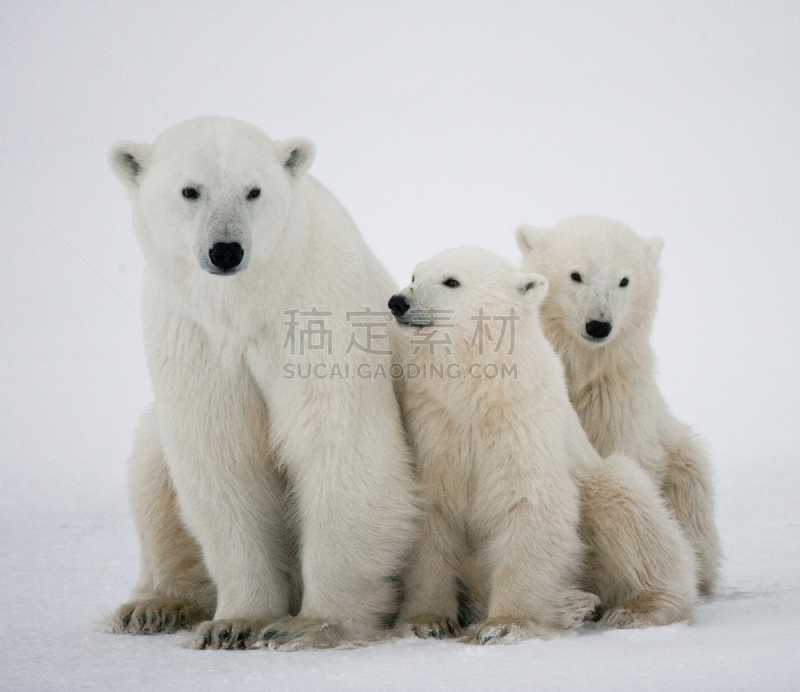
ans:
(154, 616)
(235, 633)
(576, 607)
(638, 615)
(624, 619)
(647, 610)
(432, 627)
(303, 634)
(505, 631)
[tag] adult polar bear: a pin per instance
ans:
(598, 314)
(235, 457)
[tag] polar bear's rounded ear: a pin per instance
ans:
(529, 238)
(532, 287)
(653, 248)
(128, 160)
(296, 155)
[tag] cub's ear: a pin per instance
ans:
(530, 239)
(652, 247)
(296, 155)
(532, 287)
(128, 160)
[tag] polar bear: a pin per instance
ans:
(522, 514)
(273, 504)
(598, 314)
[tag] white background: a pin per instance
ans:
(437, 124)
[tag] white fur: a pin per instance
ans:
(612, 382)
(492, 455)
(249, 487)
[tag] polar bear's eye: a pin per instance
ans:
(451, 283)
(254, 193)
(624, 282)
(576, 277)
(190, 193)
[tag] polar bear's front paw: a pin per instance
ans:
(433, 627)
(624, 619)
(236, 633)
(302, 634)
(154, 616)
(504, 631)
(637, 616)
(575, 609)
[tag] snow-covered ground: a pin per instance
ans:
(437, 124)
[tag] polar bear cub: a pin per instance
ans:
(273, 504)
(490, 436)
(598, 314)
(523, 515)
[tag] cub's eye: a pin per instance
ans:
(254, 193)
(576, 277)
(624, 282)
(451, 283)
(190, 193)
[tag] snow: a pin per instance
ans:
(436, 124)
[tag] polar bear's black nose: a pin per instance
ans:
(226, 256)
(598, 330)
(398, 305)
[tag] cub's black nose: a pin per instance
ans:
(226, 256)
(598, 330)
(398, 305)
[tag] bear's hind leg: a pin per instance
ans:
(640, 565)
(174, 590)
(688, 490)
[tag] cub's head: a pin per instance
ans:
(603, 278)
(214, 192)
(461, 290)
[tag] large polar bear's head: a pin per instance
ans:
(215, 193)
(467, 294)
(603, 278)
